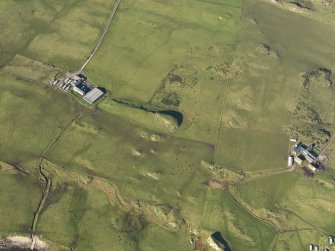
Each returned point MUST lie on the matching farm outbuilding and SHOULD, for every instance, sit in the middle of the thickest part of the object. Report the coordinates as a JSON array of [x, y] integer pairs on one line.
[[298, 148], [299, 159], [312, 167], [290, 161], [81, 88], [92, 96], [309, 156]]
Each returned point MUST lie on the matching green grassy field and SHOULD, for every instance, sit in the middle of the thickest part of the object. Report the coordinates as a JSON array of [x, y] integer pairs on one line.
[[129, 155], [21, 21], [32, 116], [258, 101], [23, 193], [72, 35], [31, 69], [242, 231], [300, 240], [141, 68], [292, 201], [121, 179]]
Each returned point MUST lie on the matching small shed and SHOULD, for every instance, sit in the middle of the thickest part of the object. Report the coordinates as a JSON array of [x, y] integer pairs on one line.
[[290, 161], [316, 248], [331, 239], [312, 167], [311, 247], [299, 159]]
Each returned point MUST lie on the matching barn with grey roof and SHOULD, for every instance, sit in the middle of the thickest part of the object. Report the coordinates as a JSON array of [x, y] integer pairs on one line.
[[92, 96]]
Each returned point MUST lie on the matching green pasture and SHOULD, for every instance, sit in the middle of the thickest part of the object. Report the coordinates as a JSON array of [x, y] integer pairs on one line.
[[32, 116], [149, 120], [167, 34], [243, 232], [231, 66], [252, 150], [31, 69], [131, 156], [21, 21], [300, 240], [156, 238], [72, 35], [260, 97], [19, 199], [293, 194], [84, 219], [149, 40]]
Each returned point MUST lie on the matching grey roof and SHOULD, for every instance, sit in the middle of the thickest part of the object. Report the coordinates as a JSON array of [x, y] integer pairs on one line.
[[297, 149], [93, 95], [309, 159]]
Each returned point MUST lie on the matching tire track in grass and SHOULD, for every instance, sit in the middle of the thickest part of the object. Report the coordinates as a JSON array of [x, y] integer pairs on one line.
[[226, 92], [263, 220], [278, 230]]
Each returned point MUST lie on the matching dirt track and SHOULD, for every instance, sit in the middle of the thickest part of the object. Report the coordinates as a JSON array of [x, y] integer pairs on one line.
[[116, 6]]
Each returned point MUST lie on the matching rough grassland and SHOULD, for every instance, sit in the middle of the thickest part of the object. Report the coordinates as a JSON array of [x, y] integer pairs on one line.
[[27, 127], [260, 97], [21, 21], [19, 198], [72, 214], [153, 191], [282, 198], [129, 156], [72, 36], [242, 231], [152, 41], [31, 69]]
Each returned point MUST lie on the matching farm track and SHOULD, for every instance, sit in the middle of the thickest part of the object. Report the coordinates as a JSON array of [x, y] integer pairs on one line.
[[269, 222], [258, 175], [278, 230], [241, 204], [115, 8]]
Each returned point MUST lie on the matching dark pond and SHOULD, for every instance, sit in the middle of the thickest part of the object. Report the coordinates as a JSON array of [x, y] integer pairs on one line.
[[217, 237], [178, 116]]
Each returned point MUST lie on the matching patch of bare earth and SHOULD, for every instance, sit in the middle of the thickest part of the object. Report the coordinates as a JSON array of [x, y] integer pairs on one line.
[[16, 242]]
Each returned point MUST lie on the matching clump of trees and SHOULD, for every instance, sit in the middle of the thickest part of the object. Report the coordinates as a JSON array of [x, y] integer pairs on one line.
[[320, 77], [171, 98], [310, 134], [304, 112]]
